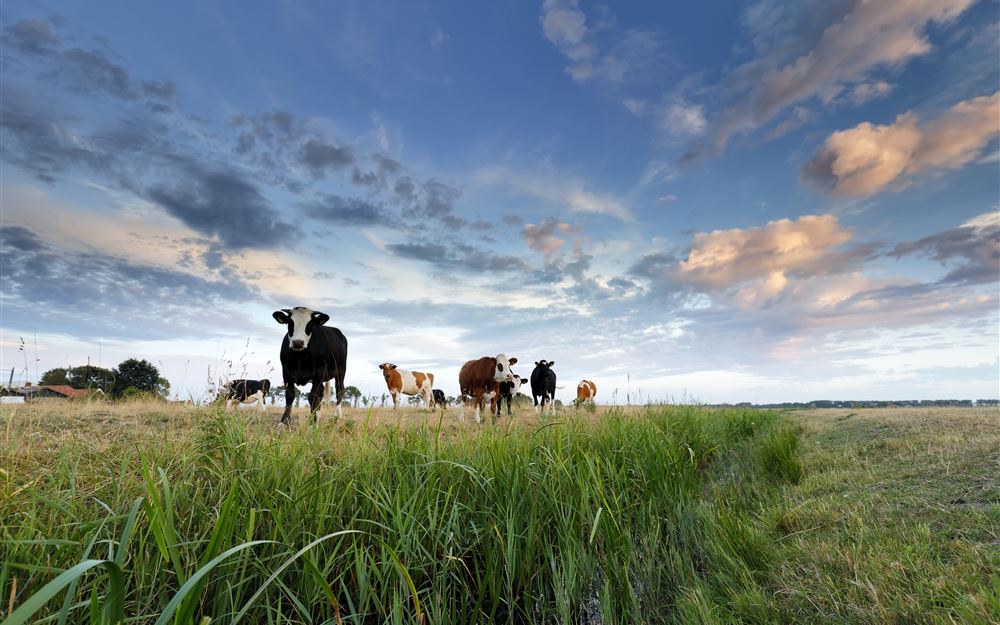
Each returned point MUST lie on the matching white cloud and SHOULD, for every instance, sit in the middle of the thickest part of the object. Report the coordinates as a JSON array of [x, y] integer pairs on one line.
[[635, 106], [620, 56], [865, 159], [560, 189], [666, 199], [860, 38], [866, 91], [724, 258], [683, 120], [438, 39]]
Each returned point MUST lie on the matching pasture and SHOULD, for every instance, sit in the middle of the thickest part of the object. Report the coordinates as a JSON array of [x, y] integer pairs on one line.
[[657, 514]]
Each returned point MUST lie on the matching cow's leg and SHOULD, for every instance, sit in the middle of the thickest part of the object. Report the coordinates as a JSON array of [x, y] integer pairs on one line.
[[315, 400], [395, 399], [286, 417], [478, 399], [262, 399], [509, 400], [429, 396], [339, 384]]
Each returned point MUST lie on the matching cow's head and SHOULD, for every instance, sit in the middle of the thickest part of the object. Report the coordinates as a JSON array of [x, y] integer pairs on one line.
[[502, 372], [545, 364], [387, 368], [515, 384], [300, 322]]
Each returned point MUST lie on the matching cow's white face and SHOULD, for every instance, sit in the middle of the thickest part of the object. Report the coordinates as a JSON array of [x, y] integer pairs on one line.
[[300, 322], [502, 372], [516, 384]]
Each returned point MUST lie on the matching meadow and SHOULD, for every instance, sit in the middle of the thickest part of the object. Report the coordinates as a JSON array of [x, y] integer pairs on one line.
[[158, 513]]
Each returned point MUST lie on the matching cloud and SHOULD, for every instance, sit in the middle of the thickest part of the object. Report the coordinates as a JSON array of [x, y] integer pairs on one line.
[[724, 258], [974, 247], [863, 160], [559, 189], [36, 139], [801, 58], [320, 156], [683, 120], [83, 70], [32, 37], [666, 199], [543, 238], [627, 55], [221, 202], [95, 294], [346, 211], [754, 265], [459, 257], [438, 39], [866, 91], [635, 106], [798, 117]]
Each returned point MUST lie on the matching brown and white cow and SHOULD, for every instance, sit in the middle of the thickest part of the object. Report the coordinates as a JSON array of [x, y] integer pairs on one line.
[[585, 390], [406, 382], [480, 379]]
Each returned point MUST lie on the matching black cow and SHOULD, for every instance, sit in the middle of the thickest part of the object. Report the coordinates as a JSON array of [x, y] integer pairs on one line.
[[311, 353], [543, 385], [439, 398], [507, 390], [246, 392]]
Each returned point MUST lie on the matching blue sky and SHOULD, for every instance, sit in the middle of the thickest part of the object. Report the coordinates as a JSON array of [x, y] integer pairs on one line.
[[748, 201]]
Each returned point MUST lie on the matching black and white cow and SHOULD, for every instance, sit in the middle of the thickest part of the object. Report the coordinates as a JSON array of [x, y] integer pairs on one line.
[[311, 353], [439, 398], [507, 390], [543, 386], [246, 392]]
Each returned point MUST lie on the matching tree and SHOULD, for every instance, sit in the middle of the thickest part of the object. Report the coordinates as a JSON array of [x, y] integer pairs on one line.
[[163, 388], [55, 377], [138, 374], [352, 394], [89, 376]]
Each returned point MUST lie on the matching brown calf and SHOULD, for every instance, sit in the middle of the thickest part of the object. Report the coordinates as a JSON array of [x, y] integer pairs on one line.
[[585, 390], [406, 382]]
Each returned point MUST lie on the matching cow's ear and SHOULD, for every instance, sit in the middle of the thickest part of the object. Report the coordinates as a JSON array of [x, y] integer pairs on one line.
[[393, 366], [552, 362], [319, 318], [512, 361], [538, 364], [282, 316]]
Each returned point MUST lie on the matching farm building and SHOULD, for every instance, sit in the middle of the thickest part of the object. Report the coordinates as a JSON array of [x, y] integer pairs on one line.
[[60, 391]]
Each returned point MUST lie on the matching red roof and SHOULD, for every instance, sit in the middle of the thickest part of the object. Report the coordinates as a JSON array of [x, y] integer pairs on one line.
[[62, 389]]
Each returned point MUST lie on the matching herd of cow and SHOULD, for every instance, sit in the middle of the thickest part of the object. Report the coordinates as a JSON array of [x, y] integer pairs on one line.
[[313, 353]]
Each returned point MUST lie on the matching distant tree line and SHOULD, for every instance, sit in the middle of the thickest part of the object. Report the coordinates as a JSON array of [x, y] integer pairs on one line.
[[897, 403], [131, 378]]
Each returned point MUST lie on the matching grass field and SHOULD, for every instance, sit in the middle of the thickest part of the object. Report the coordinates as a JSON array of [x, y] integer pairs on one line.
[[648, 515]]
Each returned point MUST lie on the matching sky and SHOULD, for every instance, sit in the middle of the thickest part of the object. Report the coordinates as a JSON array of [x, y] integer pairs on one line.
[[719, 202]]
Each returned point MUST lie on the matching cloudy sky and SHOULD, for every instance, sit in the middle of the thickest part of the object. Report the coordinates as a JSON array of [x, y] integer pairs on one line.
[[757, 201]]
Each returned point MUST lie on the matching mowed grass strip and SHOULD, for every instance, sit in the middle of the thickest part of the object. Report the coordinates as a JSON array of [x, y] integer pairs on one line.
[[896, 518], [659, 515]]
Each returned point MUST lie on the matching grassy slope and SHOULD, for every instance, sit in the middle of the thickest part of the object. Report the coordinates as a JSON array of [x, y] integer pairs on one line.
[[705, 517], [650, 517], [897, 519]]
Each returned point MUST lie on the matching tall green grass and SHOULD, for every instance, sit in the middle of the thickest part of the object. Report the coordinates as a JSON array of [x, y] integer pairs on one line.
[[653, 518]]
